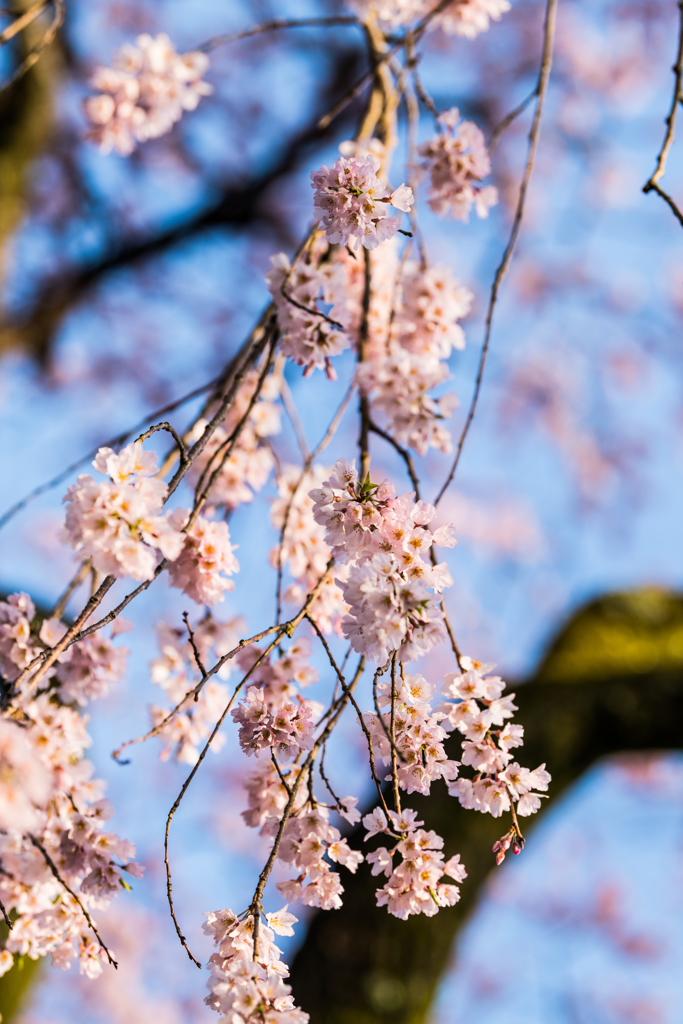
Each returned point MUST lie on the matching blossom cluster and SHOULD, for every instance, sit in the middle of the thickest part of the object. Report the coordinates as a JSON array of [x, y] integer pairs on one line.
[[456, 160], [206, 560], [304, 551], [415, 885], [51, 808], [144, 94], [247, 985], [418, 736], [272, 715], [87, 669], [351, 202], [411, 327], [476, 707], [385, 539], [308, 336], [462, 17], [250, 461], [177, 673], [118, 524]]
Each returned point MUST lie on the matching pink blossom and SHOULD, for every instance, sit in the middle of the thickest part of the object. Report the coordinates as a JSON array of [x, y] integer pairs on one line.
[[144, 94], [201, 568], [352, 202], [457, 160]]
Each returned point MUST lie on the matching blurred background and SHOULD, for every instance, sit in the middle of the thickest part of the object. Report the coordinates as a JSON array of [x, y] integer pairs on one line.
[[126, 283]]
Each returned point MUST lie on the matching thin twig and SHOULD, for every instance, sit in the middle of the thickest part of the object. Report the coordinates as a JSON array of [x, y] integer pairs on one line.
[[75, 582], [405, 455], [358, 87], [282, 629], [176, 437], [544, 75], [113, 442], [53, 868], [652, 184], [21, 22], [273, 26], [329, 434], [361, 720], [34, 56], [288, 628], [306, 768], [394, 768], [195, 649], [294, 418], [9, 923], [509, 118]]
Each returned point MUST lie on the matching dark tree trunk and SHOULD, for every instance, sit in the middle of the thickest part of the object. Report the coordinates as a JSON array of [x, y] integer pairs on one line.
[[591, 697]]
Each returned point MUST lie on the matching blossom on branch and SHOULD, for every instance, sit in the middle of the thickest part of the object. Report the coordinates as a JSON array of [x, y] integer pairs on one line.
[[201, 568], [461, 17], [118, 524], [456, 160], [352, 202], [384, 539], [308, 337], [52, 812], [144, 94], [247, 984]]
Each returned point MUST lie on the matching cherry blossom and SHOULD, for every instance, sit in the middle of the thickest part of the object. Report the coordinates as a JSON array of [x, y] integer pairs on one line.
[[384, 539], [177, 673], [247, 984], [206, 560], [456, 160], [476, 706], [250, 462], [305, 552], [414, 885], [308, 337], [352, 202], [144, 94], [118, 524], [50, 805], [462, 17]]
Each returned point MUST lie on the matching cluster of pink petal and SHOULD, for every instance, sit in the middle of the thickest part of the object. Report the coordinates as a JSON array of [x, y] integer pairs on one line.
[[47, 791], [118, 524], [477, 708], [412, 325], [244, 987], [144, 94], [306, 337], [418, 736], [86, 670], [272, 716], [462, 17], [414, 885], [457, 160], [385, 539], [307, 836], [305, 552], [17, 649], [176, 671], [207, 559], [351, 202], [251, 461], [398, 385]]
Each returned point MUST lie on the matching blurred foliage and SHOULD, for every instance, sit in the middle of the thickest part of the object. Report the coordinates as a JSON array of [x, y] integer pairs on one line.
[[611, 681], [26, 115], [14, 984]]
